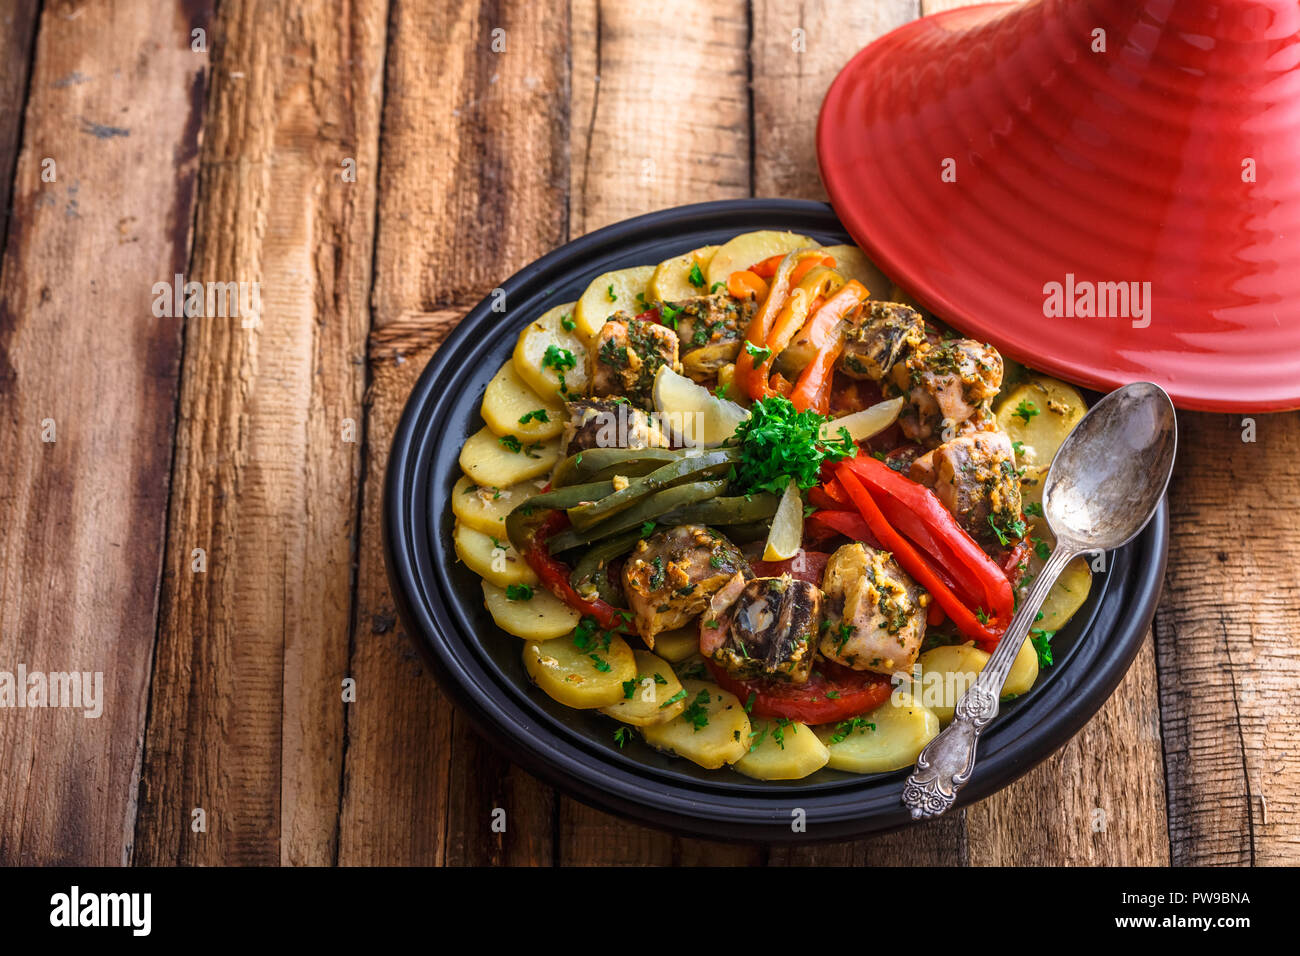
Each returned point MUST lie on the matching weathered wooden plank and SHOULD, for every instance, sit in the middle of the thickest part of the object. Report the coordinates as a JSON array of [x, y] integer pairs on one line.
[[797, 50], [88, 394], [1226, 644], [476, 131], [475, 157], [247, 716], [17, 31], [660, 118], [660, 107]]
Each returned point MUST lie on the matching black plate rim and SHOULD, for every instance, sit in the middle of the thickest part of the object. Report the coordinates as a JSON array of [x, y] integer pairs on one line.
[[1080, 686]]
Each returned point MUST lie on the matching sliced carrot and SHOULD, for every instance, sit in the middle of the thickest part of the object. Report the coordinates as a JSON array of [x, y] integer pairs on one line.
[[743, 284]]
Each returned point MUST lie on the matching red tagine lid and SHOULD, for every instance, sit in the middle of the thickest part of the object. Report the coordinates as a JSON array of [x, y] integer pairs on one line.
[[1107, 190]]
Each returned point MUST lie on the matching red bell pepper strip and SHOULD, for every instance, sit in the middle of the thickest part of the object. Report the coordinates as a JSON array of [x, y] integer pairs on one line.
[[554, 575], [916, 565], [848, 523], [917, 513]]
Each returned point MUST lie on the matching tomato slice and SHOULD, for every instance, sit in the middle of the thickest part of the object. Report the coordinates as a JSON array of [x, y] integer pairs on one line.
[[832, 694]]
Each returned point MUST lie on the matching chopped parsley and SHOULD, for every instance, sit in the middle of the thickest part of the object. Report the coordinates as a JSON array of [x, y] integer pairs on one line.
[[1042, 641], [847, 727], [1041, 549], [647, 528], [611, 294], [1033, 509], [536, 415], [511, 443], [519, 592], [716, 286], [561, 360], [1026, 410], [680, 695], [669, 314], [621, 736], [566, 321], [696, 713], [757, 352], [696, 277]]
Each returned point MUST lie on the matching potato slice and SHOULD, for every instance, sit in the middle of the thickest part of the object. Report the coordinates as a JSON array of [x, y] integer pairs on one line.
[[676, 646], [540, 617], [1023, 673], [671, 281], [1039, 414], [612, 292], [782, 751], [586, 677], [852, 263], [491, 558], [484, 508], [884, 739], [547, 335], [751, 248], [946, 674], [1067, 595], [490, 463], [711, 731], [654, 697], [508, 399], [1032, 478]]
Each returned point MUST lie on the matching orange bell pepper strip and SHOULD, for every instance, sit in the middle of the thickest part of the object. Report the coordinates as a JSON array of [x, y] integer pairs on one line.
[[767, 268], [747, 377], [825, 334]]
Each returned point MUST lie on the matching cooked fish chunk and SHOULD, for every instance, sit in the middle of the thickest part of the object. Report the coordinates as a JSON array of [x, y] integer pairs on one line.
[[886, 333], [948, 385], [669, 578], [768, 628], [875, 613], [976, 479], [710, 329], [626, 354], [608, 423]]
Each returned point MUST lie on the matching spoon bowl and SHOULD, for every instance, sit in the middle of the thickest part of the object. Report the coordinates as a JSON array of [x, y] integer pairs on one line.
[[1112, 470]]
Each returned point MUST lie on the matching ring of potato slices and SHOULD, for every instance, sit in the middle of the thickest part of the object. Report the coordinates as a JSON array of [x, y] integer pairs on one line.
[[654, 682]]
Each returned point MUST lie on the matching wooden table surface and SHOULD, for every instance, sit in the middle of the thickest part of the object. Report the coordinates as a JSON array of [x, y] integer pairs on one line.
[[481, 135]]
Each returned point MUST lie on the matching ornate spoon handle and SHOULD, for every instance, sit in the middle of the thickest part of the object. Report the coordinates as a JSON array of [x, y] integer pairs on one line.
[[947, 761]]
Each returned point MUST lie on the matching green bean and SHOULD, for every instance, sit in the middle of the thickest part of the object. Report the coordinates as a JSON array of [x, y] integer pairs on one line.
[[556, 500], [688, 468], [739, 510], [593, 566], [651, 508], [595, 464]]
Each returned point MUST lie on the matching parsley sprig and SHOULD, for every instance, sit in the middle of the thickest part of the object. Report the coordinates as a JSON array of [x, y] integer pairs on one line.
[[779, 443]]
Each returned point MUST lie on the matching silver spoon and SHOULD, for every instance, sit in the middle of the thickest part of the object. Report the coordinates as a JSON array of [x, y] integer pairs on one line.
[[1104, 485]]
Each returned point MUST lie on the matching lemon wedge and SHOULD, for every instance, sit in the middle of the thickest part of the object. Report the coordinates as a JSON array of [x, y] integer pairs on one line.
[[786, 534], [691, 413], [867, 422]]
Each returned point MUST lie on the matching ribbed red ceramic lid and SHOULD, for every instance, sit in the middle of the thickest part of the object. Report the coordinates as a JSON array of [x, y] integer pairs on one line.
[[1006, 164]]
